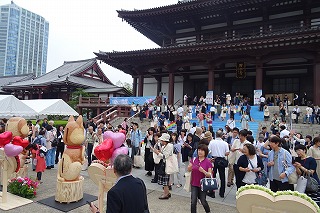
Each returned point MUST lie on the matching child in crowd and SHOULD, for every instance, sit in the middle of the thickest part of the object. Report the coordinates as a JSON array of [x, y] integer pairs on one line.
[[38, 153], [129, 145]]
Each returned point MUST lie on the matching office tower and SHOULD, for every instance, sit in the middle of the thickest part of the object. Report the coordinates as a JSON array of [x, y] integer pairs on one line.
[[23, 41]]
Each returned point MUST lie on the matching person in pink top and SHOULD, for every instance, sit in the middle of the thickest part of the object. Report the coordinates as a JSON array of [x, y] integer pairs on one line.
[[200, 167]]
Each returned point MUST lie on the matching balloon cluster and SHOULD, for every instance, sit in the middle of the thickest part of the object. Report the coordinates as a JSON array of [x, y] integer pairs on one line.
[[111, 147], [12, 146]]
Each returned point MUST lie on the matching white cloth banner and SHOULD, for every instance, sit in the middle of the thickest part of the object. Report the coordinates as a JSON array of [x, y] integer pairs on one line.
[[256, 97]]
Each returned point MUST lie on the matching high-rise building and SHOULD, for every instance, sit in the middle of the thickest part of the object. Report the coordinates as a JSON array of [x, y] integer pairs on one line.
[[23, 41]]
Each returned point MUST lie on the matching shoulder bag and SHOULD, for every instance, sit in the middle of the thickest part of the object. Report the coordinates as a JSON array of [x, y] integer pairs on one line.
[[261, 177], [172, 164], [301, 184], [293, 178], [138, 160], [187, 185], [312, 184]]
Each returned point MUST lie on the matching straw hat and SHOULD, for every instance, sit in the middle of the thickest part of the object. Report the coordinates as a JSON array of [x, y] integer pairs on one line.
[[207, 135]]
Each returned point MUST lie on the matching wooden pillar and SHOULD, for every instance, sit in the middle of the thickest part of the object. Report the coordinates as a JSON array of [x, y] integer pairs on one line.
[[307, 14], [259, 74], [211, 78], [134, 86], [40, 94], [316, 85], [140, 91], [159, 82], [171, 87]]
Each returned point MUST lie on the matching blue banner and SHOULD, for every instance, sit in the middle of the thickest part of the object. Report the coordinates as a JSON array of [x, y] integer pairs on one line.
[[130, 100]]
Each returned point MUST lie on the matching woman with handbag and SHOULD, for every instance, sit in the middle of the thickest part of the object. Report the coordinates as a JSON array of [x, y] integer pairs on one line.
[[177, 151], [248, 166], [200, 167], [304, 164], [223, 113], [165, 152]]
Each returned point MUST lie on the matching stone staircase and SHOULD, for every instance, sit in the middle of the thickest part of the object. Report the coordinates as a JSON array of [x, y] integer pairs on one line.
[[255, 126], [256, 115], [304, 129]]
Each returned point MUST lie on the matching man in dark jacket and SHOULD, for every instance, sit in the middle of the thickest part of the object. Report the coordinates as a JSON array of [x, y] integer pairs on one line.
[[129, 193]]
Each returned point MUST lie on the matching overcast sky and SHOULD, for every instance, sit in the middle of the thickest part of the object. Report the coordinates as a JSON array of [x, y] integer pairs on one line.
[[77, 28]]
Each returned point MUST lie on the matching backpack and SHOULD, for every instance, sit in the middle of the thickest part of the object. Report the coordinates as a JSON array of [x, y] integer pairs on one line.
[[37, 140], [138, 132]]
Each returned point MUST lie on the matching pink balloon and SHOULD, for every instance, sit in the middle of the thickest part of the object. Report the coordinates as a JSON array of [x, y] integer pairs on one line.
[[12, 150], [107, 134], [121, 150], [118, 138]]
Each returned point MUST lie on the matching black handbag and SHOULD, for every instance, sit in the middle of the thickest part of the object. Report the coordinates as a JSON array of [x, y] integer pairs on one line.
[[222, 162], [161, 167], [55, 142], [312, 184]]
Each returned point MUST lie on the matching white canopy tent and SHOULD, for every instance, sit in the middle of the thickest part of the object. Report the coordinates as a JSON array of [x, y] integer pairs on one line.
[[50, 107], [12, 106]]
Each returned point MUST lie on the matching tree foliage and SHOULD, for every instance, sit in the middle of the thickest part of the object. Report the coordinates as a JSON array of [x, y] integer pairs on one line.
[[75, 96], [125, 85]]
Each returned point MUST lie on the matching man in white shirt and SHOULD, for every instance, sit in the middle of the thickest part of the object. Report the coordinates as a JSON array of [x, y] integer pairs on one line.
[[185, 99], [296, 111], [284, 131], [308, 116], [180, 111], [231, 123], [213, 112], [219, 150], [193, 128]]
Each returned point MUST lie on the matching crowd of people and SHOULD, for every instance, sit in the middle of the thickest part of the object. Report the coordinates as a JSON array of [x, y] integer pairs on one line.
[[203, 152]]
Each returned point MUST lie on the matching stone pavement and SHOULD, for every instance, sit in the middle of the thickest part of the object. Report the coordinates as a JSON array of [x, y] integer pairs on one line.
[[180, 201]]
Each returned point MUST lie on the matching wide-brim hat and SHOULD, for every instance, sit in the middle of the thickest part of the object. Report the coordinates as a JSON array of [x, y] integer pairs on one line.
[[207, 135], [165, 137]]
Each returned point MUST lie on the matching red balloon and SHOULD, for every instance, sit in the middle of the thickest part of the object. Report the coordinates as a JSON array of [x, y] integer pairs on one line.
[[104, 150], [17, 140], [5, 138]]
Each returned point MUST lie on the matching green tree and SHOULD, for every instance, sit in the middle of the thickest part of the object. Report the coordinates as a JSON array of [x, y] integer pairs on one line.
[[125, 85], [128, 87], [75, 96]]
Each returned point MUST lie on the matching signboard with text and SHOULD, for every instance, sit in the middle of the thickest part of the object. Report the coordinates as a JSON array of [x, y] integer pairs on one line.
[[209, 97], [256, 96]]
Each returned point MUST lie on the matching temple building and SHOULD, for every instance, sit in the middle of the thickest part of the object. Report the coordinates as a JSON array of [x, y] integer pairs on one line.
[[62, 81], [225, 46]]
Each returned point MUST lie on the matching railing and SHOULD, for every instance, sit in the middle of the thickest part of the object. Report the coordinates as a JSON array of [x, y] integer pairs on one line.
[[112, 115], [118, 111], [93, 101], [103, 116]]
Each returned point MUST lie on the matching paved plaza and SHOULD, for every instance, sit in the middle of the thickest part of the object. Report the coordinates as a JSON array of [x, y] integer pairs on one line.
[[180, 201]]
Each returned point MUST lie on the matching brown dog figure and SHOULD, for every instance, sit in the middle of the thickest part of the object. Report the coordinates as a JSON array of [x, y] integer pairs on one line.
[[70, 164]]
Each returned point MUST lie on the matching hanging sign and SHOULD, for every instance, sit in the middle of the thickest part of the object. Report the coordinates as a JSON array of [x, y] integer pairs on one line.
[[241, 71]]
